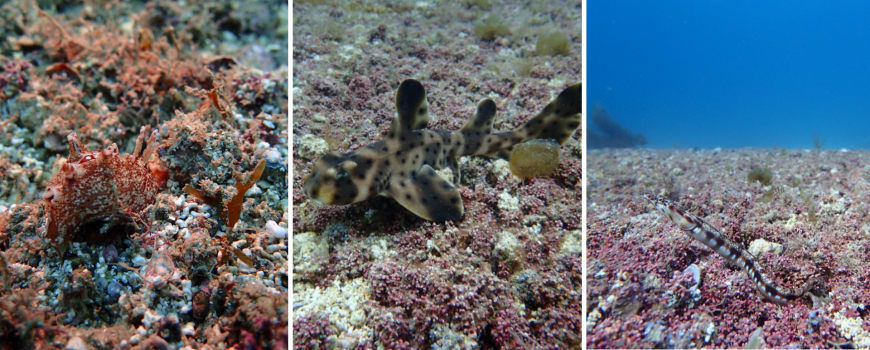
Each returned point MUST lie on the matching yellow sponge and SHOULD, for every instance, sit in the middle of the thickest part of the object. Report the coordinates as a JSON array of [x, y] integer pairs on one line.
[[535, 158]]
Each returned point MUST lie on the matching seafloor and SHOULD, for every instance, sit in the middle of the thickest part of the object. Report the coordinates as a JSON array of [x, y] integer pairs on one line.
[[106, 250], [810, 221], [372, 274]]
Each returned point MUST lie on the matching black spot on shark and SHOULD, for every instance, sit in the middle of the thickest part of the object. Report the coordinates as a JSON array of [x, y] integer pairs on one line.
[[409, 155]]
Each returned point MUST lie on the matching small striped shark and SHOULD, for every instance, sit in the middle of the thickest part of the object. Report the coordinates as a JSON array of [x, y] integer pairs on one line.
[[402, 165], [705, 233]]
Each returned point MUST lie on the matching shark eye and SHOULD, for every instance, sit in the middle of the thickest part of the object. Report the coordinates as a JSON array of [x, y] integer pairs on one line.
[[341, 174]]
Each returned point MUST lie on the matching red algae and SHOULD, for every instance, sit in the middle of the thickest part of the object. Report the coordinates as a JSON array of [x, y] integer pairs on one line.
[[642, 290], [107, 111], [369, 275], [232, 208]]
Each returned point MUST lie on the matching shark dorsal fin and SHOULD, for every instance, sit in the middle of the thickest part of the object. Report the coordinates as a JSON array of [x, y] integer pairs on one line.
[[481, 121], [411, 107]]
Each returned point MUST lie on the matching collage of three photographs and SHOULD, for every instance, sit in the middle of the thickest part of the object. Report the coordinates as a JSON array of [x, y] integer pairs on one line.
[[392, 174]]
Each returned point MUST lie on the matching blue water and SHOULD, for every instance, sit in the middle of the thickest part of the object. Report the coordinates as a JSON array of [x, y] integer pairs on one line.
[[733, 73]]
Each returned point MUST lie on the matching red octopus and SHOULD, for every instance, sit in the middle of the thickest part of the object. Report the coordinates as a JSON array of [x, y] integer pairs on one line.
[[100, 185]]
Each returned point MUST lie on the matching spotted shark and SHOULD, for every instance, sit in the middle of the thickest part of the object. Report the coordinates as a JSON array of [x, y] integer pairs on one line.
[[402, 165]]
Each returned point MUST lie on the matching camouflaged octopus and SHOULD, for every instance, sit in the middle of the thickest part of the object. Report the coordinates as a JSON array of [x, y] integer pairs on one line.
[[100, 185]]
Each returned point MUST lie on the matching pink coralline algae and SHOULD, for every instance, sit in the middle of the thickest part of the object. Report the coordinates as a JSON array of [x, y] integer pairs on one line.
[[652, 285], [101, 184], [311, 332]]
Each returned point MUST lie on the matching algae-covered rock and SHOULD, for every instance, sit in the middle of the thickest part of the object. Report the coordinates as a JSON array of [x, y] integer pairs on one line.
[[762, 175], [309, 252], [490, 28], [312, 147], [572, 243], [508, 246], [552, 44], [761, 246]]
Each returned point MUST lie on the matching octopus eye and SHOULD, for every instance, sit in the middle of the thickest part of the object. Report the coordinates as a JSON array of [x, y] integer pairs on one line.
[[341, 175], [48, 195], [86, 159]]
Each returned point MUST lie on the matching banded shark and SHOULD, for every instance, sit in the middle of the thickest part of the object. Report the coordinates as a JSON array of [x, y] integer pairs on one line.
[[707, 234], [402, 165]]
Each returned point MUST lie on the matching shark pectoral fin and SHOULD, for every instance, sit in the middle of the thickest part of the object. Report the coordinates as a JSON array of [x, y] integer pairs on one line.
[[428, 195], [482, 120], [411, 107]]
